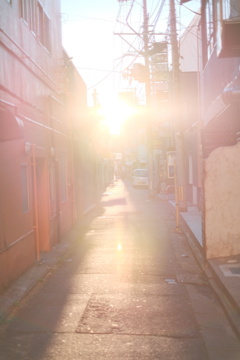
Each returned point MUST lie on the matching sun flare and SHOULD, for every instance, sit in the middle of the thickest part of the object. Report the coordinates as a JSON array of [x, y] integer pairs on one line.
[[115, 114], [119, 247]]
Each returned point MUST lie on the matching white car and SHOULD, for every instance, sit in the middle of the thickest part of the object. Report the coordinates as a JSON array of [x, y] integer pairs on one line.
[[140, 177]]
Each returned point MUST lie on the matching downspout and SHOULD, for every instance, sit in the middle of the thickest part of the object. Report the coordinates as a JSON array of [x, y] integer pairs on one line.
[[58, 209], [56, 165], [35, 202], [72, 155], [73, 199]]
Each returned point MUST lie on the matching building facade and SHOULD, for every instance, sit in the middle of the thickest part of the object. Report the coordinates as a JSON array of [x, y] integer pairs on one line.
[[42, 101], [220, 113], [217, 53]]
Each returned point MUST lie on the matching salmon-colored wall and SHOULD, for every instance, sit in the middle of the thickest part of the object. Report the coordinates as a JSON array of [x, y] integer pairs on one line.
[[15, 222], [17, 243], [35, 90], [16, 260]]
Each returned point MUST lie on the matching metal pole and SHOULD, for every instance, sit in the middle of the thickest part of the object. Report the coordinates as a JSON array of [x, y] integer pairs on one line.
[[148, 99], [146, 48], [177, 114], [176, 199]]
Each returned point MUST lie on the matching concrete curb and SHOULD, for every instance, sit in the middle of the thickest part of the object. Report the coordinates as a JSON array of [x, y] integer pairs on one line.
[[229, 306]]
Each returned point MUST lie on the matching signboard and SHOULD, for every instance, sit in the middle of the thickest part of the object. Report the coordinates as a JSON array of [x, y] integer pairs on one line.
[[171, 159]]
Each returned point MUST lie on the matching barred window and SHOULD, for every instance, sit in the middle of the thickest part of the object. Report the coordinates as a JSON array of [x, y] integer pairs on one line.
[[44, 27], [25, 10], [33, 19], [32, 12]]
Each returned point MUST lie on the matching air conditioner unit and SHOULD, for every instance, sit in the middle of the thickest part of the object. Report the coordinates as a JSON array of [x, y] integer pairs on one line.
[[228, 28]]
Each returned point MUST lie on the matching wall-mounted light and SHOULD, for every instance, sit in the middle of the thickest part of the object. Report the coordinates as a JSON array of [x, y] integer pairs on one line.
[[27, 148], [52, 151]]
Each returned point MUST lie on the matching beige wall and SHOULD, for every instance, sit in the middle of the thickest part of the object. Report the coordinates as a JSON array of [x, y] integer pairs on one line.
[[222, 202]]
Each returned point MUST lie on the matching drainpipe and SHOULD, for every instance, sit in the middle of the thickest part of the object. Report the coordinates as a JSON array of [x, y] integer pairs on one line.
[[35, 201], [58, 209], [200, 128]]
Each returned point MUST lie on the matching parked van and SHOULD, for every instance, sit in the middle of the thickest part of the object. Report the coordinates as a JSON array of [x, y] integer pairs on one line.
[[140, 177]]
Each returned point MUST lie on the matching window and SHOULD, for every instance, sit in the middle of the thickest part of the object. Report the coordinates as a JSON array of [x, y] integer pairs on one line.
[[25, 190], [231, 9], [32, 14], [47, 32], [210, 27], [63, 176], [40, 31], [28, 13], [228, 28], [141, 172], [44, 28], [25, 10], [37, 20]]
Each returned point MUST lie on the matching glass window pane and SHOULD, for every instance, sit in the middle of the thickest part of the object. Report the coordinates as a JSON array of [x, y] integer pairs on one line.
[[63, 176]]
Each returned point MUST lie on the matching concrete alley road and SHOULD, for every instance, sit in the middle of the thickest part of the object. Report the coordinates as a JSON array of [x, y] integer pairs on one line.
[[129, 288]]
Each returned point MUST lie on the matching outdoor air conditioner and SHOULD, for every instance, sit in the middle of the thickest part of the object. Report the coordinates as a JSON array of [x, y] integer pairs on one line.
[[228, 28]]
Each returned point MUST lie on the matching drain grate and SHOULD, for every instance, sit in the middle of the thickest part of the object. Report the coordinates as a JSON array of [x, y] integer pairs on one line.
[[235, 270], [230, 269]]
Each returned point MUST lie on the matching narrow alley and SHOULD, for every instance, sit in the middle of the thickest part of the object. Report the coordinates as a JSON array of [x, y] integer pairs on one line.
[[128, 288]]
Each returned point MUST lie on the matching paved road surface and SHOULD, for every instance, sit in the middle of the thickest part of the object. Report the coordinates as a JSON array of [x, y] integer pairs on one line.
[[130, 288]]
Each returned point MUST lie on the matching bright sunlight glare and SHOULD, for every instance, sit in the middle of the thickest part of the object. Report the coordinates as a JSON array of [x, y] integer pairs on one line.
[[115, 114], [119, 247]]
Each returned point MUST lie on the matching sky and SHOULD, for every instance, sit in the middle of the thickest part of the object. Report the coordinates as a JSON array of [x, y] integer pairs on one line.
[[89, 35]]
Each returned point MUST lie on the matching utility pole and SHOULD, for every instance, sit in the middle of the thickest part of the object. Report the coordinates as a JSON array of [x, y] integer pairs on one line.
[[147, 80], [146, 50], [148, 100], [180, 174], [174, 44]]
